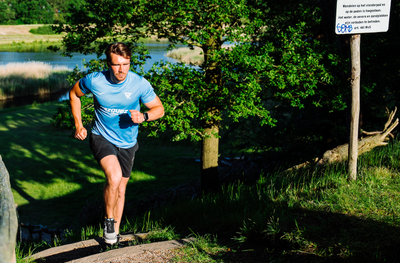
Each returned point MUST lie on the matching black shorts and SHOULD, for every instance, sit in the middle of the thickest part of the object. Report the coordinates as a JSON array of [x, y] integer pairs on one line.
[[101, 148]]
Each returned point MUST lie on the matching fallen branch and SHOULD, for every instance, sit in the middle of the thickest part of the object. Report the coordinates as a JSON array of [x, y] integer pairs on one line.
[[365, 144]]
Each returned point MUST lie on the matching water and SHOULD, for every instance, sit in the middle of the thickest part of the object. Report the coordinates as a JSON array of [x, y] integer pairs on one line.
[[157, 52]]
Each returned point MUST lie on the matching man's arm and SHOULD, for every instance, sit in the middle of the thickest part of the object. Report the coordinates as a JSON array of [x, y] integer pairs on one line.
[[156, 111], [75, 95]]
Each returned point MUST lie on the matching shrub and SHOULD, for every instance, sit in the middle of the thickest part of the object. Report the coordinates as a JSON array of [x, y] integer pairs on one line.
[[43, 30]]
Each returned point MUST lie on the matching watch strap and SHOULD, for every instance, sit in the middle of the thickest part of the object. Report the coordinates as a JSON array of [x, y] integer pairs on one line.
[[145, 116]]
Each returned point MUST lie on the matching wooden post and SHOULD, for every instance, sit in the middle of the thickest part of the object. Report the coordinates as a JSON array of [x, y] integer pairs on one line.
[[355, 105], [8, 218]]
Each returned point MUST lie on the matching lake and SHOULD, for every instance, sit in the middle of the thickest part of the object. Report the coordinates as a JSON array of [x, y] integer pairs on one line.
[[157, 52]]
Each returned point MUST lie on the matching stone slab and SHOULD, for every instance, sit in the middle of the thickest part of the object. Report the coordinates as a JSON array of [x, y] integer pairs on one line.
[[81, 244], [133, 250]]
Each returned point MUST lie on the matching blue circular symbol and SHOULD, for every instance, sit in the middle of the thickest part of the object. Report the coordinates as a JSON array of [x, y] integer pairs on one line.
[[342, 28]]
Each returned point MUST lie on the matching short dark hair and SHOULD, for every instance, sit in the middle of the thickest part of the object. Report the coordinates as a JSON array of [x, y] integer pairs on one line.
[[118, 48]]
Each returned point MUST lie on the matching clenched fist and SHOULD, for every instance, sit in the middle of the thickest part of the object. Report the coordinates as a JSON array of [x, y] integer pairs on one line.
[[137, 116], [80, 133]]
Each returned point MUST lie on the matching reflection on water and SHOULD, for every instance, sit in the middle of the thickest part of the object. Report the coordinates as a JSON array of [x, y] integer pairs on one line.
[[157, 52]]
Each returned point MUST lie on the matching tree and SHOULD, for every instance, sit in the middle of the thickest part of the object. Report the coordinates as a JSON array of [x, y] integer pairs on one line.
[[60, 8], [33, 12], [273, 59], [7, 14]]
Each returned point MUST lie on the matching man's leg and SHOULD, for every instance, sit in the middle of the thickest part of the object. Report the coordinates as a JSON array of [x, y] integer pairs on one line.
[[119, 207], [112, 170]]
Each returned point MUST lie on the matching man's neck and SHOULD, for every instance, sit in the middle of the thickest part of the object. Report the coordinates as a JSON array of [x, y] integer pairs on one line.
[[113, 78]]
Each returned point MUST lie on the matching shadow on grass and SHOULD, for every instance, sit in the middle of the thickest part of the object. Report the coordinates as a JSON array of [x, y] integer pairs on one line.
[[54, 176], [315, 237], [39, 157]]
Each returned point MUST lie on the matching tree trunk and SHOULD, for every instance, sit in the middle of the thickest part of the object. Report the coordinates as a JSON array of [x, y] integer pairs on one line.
[[209, 160], [210, 143]]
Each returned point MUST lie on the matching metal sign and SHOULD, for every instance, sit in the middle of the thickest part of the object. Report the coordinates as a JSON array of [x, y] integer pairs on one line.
[[362, 16]]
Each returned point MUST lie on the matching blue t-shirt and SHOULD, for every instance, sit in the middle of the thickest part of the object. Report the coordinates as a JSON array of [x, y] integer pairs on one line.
[[112, 103]]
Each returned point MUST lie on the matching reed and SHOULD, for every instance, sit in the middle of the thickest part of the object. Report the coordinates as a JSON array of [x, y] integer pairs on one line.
[[187, 55], [190, 56], [31, 78]]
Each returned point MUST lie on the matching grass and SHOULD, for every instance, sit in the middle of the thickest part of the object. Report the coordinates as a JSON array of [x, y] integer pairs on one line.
[[23, 252], [20, 33], [304, 216], [19, 38], [54, 176], [31, 78], [33, 46], [307, 216]]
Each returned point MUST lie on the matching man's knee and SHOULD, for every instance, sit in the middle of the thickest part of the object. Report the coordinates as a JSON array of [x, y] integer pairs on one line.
[[112, 169], [122, 187], [113, 182], [121, 194]]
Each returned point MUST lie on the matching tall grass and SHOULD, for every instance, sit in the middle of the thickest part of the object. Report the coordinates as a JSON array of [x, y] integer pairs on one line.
[[31, 78], [187, 55], [304, 216]]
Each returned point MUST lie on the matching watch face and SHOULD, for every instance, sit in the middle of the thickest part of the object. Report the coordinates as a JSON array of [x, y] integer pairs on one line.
[[146, 116]]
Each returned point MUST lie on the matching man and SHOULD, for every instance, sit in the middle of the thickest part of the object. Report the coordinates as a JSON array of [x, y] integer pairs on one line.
[[117, 94]]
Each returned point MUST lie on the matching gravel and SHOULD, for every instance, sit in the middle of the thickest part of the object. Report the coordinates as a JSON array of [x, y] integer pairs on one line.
[[161, 256]]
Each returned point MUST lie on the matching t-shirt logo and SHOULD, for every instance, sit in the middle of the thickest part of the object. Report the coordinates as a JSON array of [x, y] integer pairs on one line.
[[128, 95]]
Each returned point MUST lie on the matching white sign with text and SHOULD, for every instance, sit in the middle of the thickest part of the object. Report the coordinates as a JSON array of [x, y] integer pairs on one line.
[[362, 16]]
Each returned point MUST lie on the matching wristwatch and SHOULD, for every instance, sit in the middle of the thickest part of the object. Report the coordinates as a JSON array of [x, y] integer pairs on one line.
[[145, 116]]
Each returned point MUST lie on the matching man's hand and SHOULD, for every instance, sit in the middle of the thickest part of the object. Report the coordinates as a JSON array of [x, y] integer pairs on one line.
[[137, 116], [80, 133], [75, 95]]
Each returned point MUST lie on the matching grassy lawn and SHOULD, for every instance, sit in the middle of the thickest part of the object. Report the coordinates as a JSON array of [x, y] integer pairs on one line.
[[53, 176], [19, 33], [304, 216]]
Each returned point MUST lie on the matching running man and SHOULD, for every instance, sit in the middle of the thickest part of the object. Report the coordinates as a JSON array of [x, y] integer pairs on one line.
[[117, 94]]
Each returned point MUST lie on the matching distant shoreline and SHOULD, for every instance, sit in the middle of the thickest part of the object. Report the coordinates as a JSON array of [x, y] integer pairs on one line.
[[19, 33]]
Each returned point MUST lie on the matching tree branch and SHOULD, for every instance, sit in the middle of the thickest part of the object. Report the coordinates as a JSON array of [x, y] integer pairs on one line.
[[340, 153]]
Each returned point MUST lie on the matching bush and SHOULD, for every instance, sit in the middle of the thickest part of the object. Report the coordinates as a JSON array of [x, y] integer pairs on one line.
[[43, 30]]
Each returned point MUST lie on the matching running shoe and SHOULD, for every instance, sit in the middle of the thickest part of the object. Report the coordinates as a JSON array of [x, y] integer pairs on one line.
[[109, 235]]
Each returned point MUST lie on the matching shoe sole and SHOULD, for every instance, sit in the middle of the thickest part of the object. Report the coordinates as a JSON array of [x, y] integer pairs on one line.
[[110, 241]]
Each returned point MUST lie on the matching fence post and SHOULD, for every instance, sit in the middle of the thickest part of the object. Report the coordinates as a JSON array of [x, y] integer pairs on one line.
[[8, 218]]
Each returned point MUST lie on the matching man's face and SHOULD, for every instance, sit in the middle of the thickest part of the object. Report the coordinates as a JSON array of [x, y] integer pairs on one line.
[[119, 66]]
